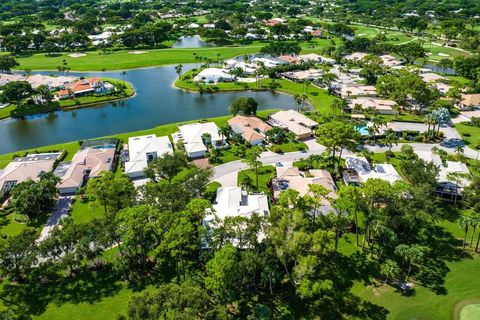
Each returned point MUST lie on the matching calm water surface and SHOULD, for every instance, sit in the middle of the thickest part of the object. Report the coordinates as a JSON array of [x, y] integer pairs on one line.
[[156, 102], [190, 42]]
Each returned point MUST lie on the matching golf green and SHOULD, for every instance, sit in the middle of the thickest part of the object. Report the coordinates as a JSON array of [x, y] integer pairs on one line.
[[470, 312]]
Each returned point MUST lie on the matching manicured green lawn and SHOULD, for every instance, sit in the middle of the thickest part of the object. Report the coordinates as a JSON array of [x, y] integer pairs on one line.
[[9, 227], [109, 307], [461, 283], [320, 99], [83, 212], [470, 134], [5, 112], [265, 174], [289, 147], [120, 60], [470, 312]]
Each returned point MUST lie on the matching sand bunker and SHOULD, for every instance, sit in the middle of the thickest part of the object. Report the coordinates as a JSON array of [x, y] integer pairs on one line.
[[441, 54], [137, 52], [77, 55]]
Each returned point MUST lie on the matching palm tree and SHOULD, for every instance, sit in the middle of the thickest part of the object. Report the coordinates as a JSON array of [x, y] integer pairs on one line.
[[206, 138], [307, 84], [390, 139], [465, 223], [225, 132], [429, 120], [246, 58], [389, 269], [459, 149], [178, 70], [124, 73], [410, 254], [474, 222]]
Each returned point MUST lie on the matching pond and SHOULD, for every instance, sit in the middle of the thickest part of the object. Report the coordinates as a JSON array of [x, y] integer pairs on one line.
[[156, 102], [190, 42]]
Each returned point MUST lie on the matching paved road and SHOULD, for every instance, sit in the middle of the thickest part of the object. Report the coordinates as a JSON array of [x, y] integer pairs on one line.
[[61, 210], [269, 158]]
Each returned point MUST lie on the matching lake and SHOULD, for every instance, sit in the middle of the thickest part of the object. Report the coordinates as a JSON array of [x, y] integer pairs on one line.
[[156, 102], [190, 42]]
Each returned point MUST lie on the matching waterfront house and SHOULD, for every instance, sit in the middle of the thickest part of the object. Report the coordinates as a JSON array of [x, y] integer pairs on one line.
[[87, 163], [85, 87], [144, 149], [21, 169], [213, 76], [196, 137], [252, 129]]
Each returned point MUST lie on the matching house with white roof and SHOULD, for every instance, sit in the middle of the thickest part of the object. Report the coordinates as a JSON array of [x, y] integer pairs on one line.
[[295, 122], [214, 76], [348, 91], [359, 171], [453, 176], [268, 62], [21, 169], [235, 202], [194, 137], [356, 56], [382, 106], [144, 149]]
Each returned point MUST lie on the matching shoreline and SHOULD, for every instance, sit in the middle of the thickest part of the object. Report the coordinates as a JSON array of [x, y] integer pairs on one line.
[[77, 106], [149, 51]]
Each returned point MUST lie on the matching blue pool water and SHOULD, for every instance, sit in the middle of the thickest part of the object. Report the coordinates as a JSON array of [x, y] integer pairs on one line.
[[363, 130]]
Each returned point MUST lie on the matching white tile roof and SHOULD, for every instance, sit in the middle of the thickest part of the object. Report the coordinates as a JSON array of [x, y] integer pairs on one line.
[[384, 171], [138, 148], [234, 202], [192, 135]]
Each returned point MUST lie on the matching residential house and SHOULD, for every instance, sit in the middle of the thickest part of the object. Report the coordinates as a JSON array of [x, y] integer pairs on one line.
[[348, 91], [302, 75], [469, 101], [144, 149], [268, 62], [291, 178], [311, 57], [235, 202], [294, 122], [252, 129], [390, 61], [453, 176], [196, 136], [21, 169], [214, 76], [289, 59], [85, 86], [382, 106], [359, 171], [356, 56], [87, 163], [274, 22]]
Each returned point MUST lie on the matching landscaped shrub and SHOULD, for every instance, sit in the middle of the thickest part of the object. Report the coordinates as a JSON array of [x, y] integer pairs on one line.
[[277, 150], [20, 218]]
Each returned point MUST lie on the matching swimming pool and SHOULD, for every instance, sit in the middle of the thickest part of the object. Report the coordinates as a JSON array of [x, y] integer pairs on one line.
[[363, 130]]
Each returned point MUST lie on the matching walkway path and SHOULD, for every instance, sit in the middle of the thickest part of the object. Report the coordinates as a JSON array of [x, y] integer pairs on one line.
[[61, 210]]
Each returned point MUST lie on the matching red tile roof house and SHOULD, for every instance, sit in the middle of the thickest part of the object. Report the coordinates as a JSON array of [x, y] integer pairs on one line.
[[252, 129], [84, 86]]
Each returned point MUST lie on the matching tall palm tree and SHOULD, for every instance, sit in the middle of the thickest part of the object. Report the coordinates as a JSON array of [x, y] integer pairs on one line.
[[178, 70], [224, 132], [464, 222], [124, 73]]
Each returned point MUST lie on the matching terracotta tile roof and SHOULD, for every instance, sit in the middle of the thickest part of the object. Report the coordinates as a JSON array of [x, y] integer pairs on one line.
[[471, 100]]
